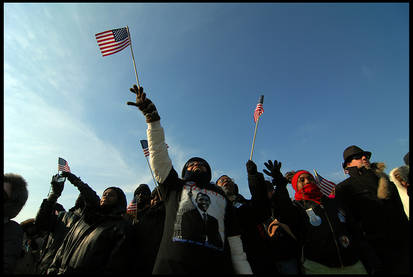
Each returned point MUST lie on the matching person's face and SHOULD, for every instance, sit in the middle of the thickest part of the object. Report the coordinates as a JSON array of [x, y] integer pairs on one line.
[[304, 179], [143, 196], [227, 185], [359, 160], [196, 166], [203, 202], [109, 197]]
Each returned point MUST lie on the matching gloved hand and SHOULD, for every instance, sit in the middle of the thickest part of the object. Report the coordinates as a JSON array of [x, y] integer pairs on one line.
[[275, 172], [72, 178], [144, 104], [251, 168], [57, 187]]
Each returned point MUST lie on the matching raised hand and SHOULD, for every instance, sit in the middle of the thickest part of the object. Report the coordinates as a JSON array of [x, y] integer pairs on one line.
[[251, 167], [57, 186], [275, 172], [144, 104]]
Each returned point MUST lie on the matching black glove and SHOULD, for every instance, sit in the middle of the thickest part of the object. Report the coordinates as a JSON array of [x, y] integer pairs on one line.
[[251, 168], [57, 188], [275, 172], [72, 178], [144, 104]]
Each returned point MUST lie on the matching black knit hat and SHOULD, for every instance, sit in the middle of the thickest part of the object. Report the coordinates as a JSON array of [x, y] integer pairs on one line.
[[142, 188], [351, 151], [199, 160]]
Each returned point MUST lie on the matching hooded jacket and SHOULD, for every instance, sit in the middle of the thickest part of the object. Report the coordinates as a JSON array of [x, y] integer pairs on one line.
[[96, 242]]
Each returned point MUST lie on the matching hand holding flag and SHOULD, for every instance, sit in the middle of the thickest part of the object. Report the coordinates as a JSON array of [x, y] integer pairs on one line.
[[62, 165], [259, 110]]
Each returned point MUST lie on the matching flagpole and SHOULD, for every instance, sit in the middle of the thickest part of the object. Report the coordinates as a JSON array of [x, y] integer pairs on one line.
[[253, 141], [160, 198], [133, 57]]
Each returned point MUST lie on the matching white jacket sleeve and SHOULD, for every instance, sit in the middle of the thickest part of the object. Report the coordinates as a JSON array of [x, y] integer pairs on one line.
[[160, 162], [238, 256]]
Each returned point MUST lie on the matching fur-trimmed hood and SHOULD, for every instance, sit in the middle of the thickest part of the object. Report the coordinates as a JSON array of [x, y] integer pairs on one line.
[[383, 189], [403, 172]]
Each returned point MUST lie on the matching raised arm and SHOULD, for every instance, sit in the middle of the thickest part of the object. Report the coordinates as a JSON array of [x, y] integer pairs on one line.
[[160, 162]]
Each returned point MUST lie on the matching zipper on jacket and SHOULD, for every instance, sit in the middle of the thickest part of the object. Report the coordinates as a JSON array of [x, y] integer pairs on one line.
[[334, 236]]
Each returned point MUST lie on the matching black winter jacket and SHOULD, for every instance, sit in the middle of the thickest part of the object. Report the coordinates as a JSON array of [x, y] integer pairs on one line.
[[148, 233], [326, 238], [372, 200], [96, 243]]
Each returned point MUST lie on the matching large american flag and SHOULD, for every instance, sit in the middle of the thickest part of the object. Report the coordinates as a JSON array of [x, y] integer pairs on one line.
[[62, 165], [326, 186], [113, 41], [259, 110]]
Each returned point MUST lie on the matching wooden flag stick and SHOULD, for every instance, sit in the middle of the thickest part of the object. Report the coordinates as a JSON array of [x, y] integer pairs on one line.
[[156, 185], [253, 141], [133, 57]]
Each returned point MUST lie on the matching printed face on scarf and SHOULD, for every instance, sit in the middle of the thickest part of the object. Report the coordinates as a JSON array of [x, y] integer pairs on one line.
[[227, 185], [203, 201], [304, 179], [109, 197]]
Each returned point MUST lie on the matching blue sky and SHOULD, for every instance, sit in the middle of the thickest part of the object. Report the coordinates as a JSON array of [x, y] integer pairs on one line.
[[332, 75]]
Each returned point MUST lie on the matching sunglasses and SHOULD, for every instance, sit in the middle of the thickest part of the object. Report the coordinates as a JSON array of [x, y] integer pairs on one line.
[[358, 156]]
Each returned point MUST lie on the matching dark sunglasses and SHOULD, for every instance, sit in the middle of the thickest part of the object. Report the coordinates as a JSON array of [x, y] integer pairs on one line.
[[358, 156]]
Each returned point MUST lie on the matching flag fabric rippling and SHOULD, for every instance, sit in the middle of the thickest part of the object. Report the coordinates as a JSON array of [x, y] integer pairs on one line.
[[113, 41], [62, 165], [326, 186], [259, 110]]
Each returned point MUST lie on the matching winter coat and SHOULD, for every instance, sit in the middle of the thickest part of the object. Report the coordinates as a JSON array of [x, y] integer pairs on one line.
[[179, 255], [97, 243], [326, 238], [12, 245], [57, 227], [372, 200], [148, 232]]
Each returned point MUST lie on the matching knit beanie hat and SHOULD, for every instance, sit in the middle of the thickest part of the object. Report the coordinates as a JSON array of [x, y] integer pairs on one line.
[[295, 178]]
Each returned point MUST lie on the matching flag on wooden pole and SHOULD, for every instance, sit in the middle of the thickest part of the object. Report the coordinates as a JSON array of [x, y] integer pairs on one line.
[[113, 41], [259, 110]]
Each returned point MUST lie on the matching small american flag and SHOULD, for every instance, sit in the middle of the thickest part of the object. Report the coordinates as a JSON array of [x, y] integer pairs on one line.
[[326, 186], [259, 110], [145, 147], [113, 41], [132, 208], [62, 165]]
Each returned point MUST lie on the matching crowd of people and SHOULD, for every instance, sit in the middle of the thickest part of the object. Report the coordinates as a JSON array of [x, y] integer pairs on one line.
[[189, 224]]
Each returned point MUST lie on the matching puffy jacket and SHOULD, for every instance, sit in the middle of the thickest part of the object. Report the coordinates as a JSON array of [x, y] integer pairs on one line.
[[57, 226], [97, 243]]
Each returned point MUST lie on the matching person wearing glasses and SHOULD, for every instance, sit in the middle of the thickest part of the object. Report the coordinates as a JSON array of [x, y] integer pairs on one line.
[[372, 200]]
